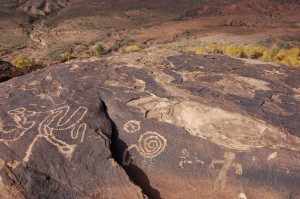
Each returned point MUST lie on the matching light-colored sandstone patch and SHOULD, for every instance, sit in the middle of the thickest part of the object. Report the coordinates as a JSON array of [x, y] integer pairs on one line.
[[226, 129]]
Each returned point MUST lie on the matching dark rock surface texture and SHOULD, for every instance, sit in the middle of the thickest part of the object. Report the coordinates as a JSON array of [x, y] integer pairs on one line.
[[8, 71], [156, 124]]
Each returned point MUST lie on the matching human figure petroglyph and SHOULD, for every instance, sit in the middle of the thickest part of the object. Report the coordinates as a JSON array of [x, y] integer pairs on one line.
[[227, 163], [132, 126], [150, 145], [55, 120]]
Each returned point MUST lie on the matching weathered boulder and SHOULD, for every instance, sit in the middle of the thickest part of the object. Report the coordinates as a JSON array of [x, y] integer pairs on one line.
[[179, 126], [8, 71], [54, 140]]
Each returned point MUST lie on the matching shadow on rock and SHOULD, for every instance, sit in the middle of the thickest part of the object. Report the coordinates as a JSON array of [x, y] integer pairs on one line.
[[136, 175]]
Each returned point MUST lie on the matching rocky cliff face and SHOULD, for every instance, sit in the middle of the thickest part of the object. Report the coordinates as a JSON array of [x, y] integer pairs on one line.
[[156, 122]]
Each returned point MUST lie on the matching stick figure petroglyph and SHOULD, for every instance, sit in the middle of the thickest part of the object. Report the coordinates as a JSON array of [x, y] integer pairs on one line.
[[132, 126], [55, 121], [150, 145], [227, 163]]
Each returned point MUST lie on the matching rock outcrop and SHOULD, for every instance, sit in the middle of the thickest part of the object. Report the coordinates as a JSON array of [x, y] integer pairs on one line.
[[8, 71], [156, 122], [43, 7], [34, 7]]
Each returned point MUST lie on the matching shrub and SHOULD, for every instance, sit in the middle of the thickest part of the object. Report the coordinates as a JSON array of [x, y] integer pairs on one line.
[[132, 49], [269, 56], [254, 52], [295, 52], [22, 63], [85, 55], [67, 56], [281, 55], [210, 49], [233, 51], [284, 45], [197, 50], [213, 49], [187, 33], [289, 57], [99, 50], [290, 61], [78, 43]]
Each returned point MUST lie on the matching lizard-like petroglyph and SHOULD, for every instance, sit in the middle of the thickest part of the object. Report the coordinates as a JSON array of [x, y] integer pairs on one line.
[[227, 163], [150, 145], [54, 121]]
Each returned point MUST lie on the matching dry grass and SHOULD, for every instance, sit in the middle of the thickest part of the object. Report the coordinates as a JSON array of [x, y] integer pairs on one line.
[[283, 56], [21, 62], [133, 48]]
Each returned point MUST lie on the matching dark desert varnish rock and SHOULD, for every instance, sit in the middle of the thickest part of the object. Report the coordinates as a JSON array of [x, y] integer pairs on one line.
[[179, 126], [8, 71]]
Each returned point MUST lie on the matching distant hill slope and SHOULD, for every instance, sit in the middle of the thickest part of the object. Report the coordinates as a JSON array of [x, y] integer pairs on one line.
[[34, 7], [201, 7], [44, 7]]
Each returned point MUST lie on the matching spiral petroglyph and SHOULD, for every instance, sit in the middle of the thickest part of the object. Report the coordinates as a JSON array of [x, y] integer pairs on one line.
[[150, 145], [132, 126]]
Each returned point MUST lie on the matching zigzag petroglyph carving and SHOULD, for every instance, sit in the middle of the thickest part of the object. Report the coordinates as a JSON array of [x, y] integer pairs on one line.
[[150, 145], [54, 121]]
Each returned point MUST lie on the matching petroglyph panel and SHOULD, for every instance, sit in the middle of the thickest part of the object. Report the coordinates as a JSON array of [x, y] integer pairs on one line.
[[55, 121]]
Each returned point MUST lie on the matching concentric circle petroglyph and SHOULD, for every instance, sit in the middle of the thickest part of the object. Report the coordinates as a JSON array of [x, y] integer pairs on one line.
[[151, 144], [132, 126]]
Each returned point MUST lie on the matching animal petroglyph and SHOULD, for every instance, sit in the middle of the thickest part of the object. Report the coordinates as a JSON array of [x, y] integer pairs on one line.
[[186, 158], [132, 126], [11, 133], [54, 121], [227, 163], [150, 145]]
